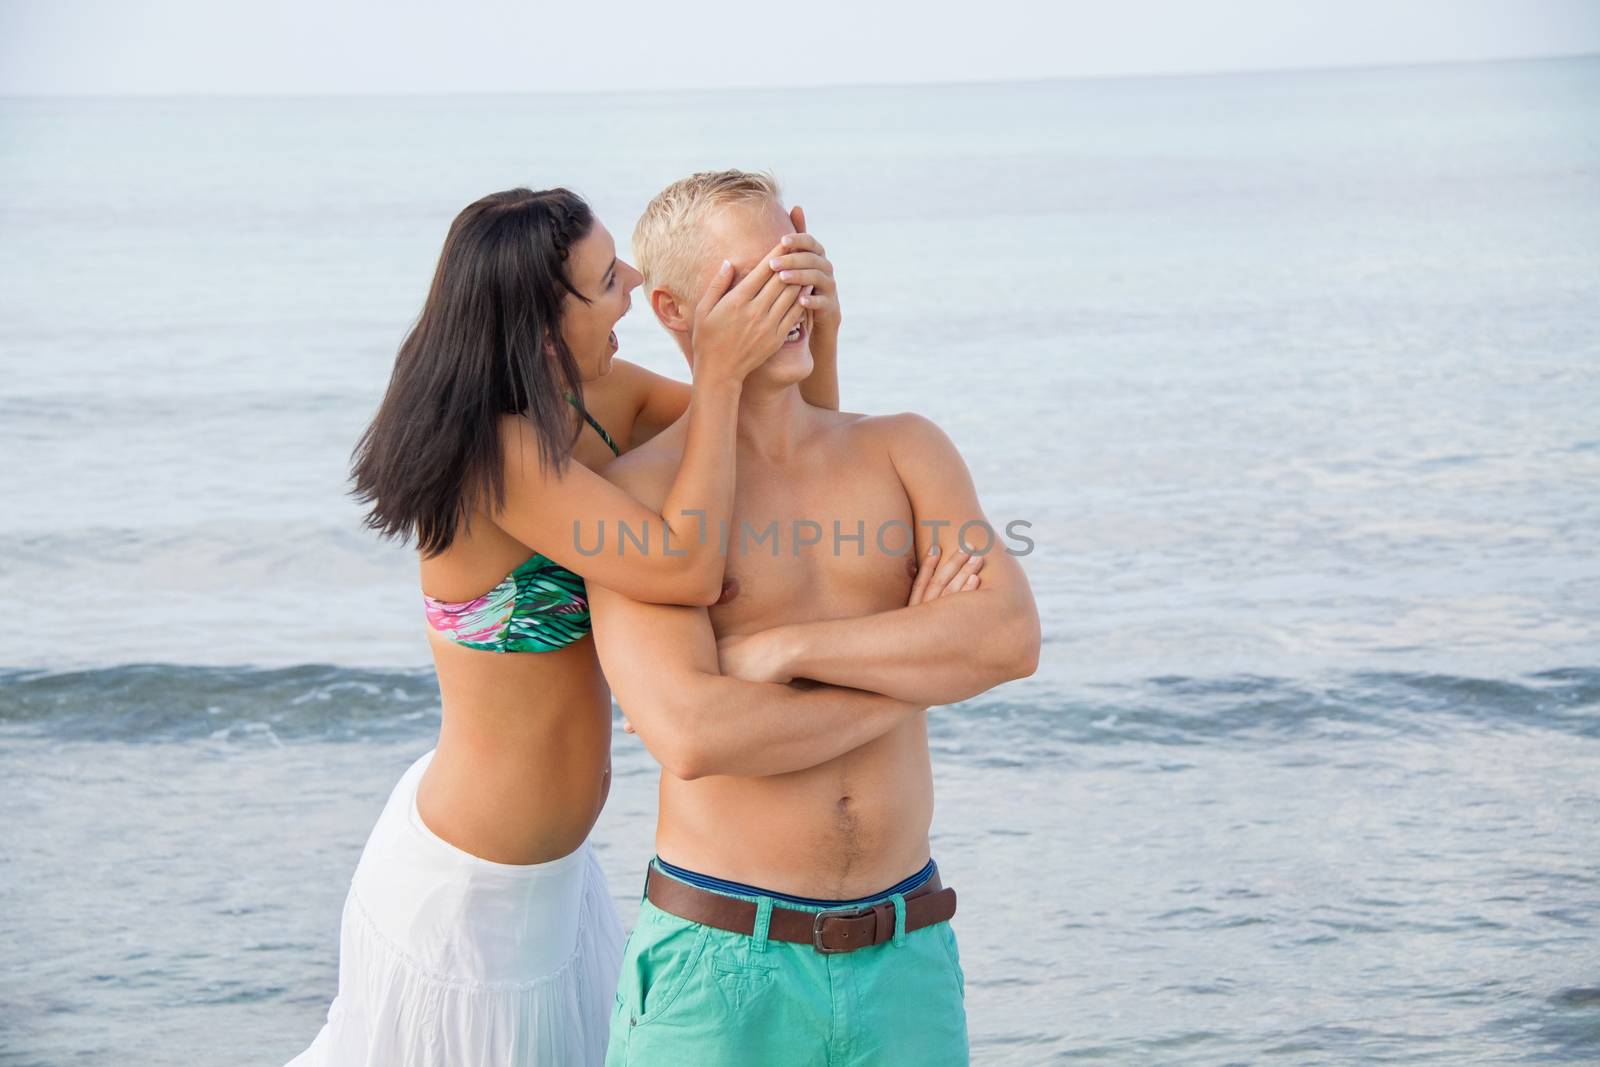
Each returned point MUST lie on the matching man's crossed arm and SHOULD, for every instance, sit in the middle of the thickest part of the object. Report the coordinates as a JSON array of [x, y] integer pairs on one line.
[[661, 662], [702, 710], [936, 651]]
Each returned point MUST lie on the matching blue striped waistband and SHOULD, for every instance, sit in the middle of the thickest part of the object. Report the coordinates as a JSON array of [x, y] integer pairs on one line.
[[739, 889]]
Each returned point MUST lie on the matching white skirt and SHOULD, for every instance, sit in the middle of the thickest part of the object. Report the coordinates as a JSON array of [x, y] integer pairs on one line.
[[449, 960]]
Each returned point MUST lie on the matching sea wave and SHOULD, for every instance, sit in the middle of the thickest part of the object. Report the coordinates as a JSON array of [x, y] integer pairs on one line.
[[155, 702]]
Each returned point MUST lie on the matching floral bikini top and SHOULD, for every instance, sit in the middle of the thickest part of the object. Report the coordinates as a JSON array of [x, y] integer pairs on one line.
[[539, 607]]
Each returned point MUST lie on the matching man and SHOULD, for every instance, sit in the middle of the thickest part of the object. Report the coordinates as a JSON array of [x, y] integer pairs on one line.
[[793, 914]]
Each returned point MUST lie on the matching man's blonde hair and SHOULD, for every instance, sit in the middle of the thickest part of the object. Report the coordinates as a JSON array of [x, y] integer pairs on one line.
[[669, 240]]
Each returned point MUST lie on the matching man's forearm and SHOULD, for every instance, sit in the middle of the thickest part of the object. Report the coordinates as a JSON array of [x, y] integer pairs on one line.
[[938, 652], [722, 725], [821, 387]]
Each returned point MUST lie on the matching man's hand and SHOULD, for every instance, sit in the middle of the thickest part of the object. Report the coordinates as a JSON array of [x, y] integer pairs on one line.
[[756, 657], [753, 657], [938, 577], [764, 656], [938, 649]]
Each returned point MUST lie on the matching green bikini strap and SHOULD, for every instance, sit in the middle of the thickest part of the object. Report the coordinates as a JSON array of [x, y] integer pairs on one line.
[[601, 430]]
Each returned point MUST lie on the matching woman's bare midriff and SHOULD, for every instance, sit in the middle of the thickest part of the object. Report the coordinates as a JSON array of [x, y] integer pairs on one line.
[[523, 763], [524, 758]]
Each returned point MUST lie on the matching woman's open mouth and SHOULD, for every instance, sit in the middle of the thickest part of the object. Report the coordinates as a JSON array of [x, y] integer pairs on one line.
[[797, 334]]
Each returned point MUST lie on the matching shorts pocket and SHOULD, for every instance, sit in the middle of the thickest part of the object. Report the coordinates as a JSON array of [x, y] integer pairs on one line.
[[948, 935], [669, 953], [741, 985]]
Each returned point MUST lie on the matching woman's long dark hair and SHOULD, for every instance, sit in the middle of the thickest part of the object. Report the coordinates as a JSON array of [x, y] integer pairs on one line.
[[488, 342]]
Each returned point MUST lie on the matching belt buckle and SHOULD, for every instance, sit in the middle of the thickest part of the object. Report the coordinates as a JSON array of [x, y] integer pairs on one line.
[[841, 913]]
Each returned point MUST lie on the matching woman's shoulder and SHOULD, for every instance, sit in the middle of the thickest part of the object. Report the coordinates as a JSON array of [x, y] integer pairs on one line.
[[635, 381], [647, 471]]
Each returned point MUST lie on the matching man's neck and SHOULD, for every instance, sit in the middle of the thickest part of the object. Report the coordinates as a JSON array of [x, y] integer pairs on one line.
[[771, 419]]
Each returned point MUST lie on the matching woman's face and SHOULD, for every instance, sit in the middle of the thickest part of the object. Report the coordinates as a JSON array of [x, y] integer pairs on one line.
[[597, 273]]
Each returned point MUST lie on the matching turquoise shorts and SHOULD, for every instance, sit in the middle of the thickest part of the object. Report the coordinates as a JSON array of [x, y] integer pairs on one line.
[[702, 997]]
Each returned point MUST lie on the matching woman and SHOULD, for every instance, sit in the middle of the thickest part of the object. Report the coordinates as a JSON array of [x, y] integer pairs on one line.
[[478, 928]]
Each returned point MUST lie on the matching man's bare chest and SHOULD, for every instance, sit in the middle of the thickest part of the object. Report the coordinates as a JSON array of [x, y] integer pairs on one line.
[[834, 542]]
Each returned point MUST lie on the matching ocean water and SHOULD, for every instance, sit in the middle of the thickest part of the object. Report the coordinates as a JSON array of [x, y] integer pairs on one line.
[[1295, 376]]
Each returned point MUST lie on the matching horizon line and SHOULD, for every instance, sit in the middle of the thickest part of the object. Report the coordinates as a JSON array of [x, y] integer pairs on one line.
[[1240, 72]]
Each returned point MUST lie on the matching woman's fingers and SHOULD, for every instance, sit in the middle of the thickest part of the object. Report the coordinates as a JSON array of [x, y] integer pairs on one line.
[[772, 292], [792, 311], [815, 272], [817, 279], [763, 300], [805, 269], [796, 243], [760, 287], [753, 285], [715, 291], [804, 257], [759, 306]]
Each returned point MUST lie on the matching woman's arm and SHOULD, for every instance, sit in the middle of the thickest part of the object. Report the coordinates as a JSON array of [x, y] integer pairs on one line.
[[662, 401], [821, 388], [579, 519]]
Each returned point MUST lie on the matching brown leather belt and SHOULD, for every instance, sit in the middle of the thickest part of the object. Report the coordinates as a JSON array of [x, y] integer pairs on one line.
[[829, 932]]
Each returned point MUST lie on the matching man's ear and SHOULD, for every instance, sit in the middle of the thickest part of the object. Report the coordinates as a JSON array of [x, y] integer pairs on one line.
[[672, 313]]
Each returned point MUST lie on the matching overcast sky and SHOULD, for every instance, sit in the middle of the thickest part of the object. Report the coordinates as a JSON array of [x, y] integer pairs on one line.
[[407, 46]]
